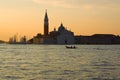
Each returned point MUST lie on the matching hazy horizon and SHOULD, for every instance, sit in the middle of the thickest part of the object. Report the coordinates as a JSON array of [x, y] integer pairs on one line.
[[83, 17]]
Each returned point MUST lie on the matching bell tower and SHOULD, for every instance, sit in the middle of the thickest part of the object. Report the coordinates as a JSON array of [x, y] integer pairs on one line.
[[46, 24]]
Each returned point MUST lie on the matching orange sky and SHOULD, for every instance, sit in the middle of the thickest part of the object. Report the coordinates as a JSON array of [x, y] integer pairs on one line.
[[83, 17]]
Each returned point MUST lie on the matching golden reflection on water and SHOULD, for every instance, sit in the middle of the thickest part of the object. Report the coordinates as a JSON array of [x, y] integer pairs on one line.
[[55, 62]]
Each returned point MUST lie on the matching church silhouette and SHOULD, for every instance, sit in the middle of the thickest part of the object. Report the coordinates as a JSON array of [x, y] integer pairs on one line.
[[60, 36]]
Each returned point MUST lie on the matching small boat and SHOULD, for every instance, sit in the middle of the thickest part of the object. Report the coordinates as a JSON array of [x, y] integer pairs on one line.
[[71, 47]]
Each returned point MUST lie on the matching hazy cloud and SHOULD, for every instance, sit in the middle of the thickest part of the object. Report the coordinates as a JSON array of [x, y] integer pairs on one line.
[[57, 3], [82, 4], [85, 4]]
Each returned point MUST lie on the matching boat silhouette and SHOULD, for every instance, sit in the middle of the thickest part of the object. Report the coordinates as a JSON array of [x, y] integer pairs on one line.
[[71, 47]]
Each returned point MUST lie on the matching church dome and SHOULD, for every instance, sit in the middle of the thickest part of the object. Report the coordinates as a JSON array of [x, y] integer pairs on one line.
[[61, 28]]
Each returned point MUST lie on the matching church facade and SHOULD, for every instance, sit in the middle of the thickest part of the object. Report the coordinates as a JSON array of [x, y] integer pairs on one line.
[[59, 36]]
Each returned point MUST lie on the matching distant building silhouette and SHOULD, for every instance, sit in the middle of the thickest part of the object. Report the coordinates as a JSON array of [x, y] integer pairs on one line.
[[23, 40], [98, 39], [14, 40], [46, 24], [1, 41], [65, 37], [62, 36]]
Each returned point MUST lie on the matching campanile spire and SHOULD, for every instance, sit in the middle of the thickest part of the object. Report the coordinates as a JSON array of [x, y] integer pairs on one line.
[[46, 24]]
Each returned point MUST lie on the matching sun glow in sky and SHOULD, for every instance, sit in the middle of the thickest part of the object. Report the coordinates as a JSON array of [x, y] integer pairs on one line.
[[83, 17]]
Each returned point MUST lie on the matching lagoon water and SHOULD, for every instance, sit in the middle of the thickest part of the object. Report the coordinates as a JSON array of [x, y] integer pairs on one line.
[[55, 62]]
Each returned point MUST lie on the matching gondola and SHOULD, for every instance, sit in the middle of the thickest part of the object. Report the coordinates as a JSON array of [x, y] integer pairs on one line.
[[71, 47]]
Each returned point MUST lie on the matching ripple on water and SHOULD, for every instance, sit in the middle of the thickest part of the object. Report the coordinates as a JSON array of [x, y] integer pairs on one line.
[[12, 77], [55, 62]]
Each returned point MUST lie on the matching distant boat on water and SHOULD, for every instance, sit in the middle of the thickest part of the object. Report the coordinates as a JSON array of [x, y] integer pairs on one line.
[[71, 47]]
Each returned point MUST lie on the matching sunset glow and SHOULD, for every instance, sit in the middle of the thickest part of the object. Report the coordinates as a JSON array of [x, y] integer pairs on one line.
[[83, 17]]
